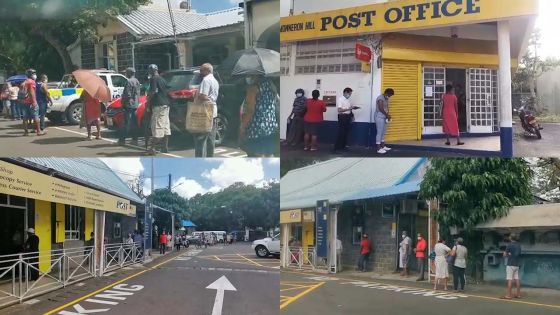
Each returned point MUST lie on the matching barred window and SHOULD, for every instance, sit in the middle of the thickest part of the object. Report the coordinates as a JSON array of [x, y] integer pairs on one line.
[[73, 223], [285, 55], [332, 55]]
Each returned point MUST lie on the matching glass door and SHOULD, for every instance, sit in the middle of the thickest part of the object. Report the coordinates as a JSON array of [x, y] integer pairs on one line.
[[433, 89], [482, 100]]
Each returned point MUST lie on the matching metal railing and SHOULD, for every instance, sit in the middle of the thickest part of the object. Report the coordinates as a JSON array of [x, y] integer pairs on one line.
[[26, 275], [301, 258]]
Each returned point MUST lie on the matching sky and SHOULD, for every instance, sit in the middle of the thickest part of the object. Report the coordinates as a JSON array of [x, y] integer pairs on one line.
[[193, 176], [548, 23]]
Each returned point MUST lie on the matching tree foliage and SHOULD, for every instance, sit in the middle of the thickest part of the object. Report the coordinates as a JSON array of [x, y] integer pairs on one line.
[[547, 178], [474, 190], [56, 24], [233, 208]]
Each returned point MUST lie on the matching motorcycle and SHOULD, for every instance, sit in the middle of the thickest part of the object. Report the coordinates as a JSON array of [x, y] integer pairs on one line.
[[529, 122]]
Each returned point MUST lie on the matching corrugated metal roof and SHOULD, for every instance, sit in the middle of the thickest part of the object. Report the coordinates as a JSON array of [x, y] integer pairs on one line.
[[531, 216], [154, 22], [348, 179], [89, 170]]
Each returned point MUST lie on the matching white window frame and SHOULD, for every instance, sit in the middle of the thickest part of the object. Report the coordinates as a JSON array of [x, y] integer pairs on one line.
[[74, 214], [285, 58], [309, 60]]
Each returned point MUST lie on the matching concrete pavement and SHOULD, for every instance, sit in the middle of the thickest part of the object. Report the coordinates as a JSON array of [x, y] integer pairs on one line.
[[309, 293], [525, 145], [69, 141], [193, 281]]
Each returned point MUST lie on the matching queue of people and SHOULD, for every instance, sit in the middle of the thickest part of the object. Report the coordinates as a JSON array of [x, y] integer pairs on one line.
[[307, 115]]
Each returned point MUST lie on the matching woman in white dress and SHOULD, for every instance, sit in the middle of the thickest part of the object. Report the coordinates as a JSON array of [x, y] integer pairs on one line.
[[442, 269]]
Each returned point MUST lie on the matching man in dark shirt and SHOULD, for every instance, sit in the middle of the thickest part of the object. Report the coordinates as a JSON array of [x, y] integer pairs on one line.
[[513, 255], [32, 247], [129, 100], [158, 106]]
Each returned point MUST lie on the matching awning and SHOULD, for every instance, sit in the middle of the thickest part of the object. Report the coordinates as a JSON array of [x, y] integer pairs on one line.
[[532, 216], [24, 182], [187, 223]]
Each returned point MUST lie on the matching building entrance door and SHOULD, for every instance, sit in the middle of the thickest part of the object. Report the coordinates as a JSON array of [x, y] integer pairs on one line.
[[482, 100], [434, 87], [457, 78]]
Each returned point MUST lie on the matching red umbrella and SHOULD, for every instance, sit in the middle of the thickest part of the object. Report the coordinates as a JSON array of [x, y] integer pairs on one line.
[[93, 84]]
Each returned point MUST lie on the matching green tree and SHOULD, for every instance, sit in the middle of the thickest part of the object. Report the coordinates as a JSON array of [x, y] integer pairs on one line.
[[547, 178], [473, 190], [60, 23]]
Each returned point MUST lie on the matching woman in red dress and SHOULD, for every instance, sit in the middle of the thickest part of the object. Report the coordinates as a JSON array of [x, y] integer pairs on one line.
[[448, 112], [92, 113]]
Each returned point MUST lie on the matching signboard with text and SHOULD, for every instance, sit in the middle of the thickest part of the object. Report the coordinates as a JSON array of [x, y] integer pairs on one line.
[[402, 15], [23, 182], [363, 53], [321, 228], [290, 216]]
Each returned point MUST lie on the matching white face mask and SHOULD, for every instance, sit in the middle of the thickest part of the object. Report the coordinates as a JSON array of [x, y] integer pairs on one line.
[[34, 77], [299, 95], [249, 80], [403, 236], [347, 96]]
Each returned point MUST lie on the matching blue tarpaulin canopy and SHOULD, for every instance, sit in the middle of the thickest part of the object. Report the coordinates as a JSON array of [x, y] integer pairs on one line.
[[17, 79], [187, 223]]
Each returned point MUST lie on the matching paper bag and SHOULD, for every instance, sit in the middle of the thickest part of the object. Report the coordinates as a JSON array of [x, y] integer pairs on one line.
[[199, 117]]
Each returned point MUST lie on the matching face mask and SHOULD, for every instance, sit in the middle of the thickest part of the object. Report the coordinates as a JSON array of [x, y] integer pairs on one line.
[[149, 77], [419, 238], [249, 80], [403, 236], [34, 77], [299, 95]]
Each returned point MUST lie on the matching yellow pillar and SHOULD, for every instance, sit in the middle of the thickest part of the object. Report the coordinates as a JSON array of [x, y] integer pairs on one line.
[[43, 231], [89, 223], [60, 221]]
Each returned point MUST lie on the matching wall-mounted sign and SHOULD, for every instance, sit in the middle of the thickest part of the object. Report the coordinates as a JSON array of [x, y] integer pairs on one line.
[[395, 16], [363, 52], [308, 216], [23, 182], [290, 216], [321, 228]]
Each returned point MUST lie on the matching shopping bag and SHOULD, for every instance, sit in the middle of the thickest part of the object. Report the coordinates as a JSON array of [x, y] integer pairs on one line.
[[200, 117]]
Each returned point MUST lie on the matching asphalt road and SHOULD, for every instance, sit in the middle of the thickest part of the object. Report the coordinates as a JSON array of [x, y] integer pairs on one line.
[[179, 286], [69, 141], [525, 145], [324, 295], [325, 151]]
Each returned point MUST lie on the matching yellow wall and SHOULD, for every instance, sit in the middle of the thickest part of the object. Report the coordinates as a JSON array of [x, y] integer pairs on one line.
[[89, 223], [308, 237], [43, 231], [60, 218]]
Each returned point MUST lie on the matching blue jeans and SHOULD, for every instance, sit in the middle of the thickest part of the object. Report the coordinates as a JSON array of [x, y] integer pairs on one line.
[[128, 125], [16, 112], [42, 113], [362, 262]]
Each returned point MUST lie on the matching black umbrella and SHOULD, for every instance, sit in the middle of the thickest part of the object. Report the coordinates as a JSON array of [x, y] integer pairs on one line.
[[253, 61]]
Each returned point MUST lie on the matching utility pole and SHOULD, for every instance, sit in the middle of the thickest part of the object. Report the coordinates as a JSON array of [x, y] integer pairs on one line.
[[169, 184]]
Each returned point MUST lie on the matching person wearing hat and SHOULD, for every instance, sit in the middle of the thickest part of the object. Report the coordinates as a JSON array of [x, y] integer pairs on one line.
[[299, 108], [345, 118], [32, 246], [130, 104], [30, 107], [158, 106]]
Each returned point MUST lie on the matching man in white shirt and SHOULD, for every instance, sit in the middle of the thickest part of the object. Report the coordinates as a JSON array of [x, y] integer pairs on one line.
[[338, 255], [345, 117], [209, 90]]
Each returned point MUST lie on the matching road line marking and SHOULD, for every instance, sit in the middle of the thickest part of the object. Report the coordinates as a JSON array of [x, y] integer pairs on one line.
[[257, 264], [32, 301], [466, 294], [115, 141], [104, 288], [243, 262], [300, 295]]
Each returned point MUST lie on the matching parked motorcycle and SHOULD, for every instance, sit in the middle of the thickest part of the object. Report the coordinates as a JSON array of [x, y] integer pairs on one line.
[[529, 122]]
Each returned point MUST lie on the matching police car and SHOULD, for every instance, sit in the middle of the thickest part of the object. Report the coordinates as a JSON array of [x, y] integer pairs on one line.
[[66, 97]]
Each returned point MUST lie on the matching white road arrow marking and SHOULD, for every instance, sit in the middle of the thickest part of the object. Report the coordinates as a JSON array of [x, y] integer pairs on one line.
[[220, 286], [80, 310]]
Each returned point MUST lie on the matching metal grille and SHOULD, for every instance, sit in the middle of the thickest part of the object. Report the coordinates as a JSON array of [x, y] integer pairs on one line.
[[285, 55], [434, 88], [332, 55]]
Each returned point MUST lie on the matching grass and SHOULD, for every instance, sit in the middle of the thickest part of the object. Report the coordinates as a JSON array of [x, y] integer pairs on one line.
[[548, 118]]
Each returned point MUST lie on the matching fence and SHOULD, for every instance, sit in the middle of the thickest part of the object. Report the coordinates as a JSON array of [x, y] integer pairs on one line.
[[22, 279], [304, 258]]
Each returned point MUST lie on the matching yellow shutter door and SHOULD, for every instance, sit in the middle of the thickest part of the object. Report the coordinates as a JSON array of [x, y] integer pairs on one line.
[[404, 107]]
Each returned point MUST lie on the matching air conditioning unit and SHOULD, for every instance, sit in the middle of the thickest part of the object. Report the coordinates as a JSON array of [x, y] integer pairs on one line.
[[409, 206]]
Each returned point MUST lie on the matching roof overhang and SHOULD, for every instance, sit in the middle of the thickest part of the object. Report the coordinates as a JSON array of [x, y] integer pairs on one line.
[[545, 216]]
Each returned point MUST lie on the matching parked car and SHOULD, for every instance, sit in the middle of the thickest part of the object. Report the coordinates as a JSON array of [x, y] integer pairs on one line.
[[267, 246], [66, 97], [183, 85]]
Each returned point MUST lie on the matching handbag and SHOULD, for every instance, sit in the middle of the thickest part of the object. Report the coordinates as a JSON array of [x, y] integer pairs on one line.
[[451, 258], [200, 117]]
